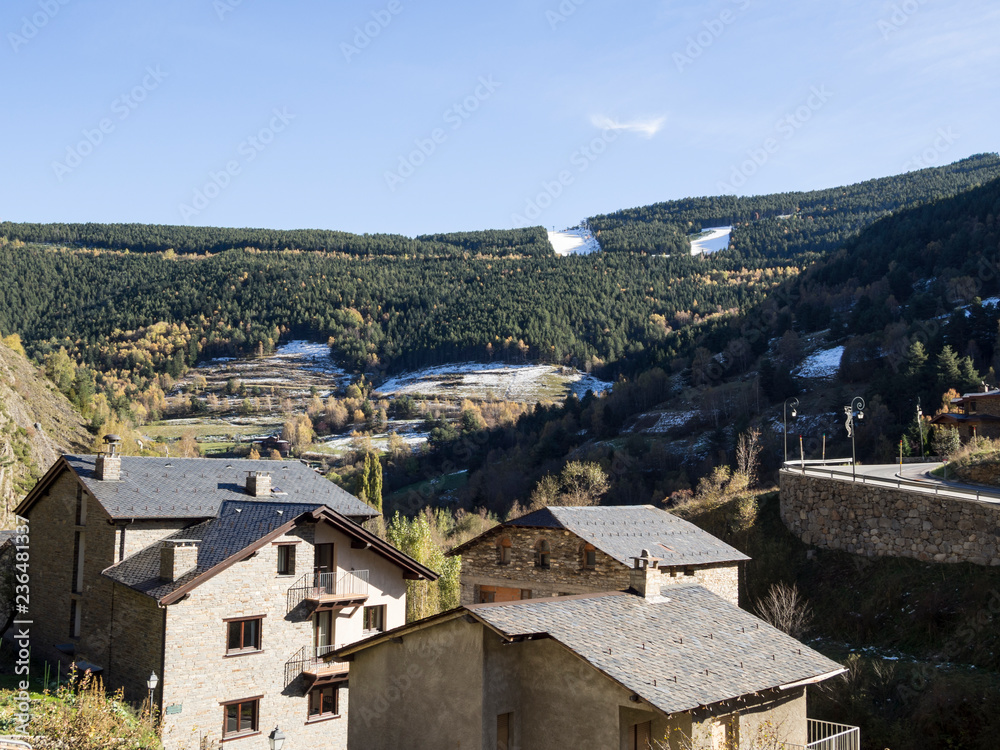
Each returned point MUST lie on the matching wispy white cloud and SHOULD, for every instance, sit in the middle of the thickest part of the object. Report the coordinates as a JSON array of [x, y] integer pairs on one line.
[[647, 127]]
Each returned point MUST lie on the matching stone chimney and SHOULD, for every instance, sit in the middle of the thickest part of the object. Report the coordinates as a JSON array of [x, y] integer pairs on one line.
[[258, 484], [108, 467], [177, 557], [644, 577]]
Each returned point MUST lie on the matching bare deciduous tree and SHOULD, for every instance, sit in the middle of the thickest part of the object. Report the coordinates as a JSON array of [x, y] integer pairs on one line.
[[786, 609], [748, 449]]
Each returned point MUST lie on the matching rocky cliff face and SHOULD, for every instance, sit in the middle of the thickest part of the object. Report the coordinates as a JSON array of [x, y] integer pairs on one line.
[[37, 423]]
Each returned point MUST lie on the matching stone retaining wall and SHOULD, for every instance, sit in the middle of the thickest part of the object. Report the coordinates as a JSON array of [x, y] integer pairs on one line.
[[876, 520]]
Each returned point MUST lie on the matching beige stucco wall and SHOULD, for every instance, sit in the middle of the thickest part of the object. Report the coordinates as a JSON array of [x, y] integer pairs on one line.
[[445, 685], [425, 692]]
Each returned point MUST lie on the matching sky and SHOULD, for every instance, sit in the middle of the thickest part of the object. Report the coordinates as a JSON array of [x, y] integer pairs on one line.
[[415, 117]]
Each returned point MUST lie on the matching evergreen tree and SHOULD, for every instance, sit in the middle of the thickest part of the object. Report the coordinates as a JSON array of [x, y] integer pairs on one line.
[[947, 370]]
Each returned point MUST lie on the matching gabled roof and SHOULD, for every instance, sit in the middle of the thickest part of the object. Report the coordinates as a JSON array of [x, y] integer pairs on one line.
[[196, 488], [977, 394], [622, 532], [678, 653], [241, 528], [949, 418]]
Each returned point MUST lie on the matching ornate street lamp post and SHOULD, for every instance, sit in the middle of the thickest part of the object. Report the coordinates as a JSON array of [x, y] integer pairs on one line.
[[920, 426], [855, 411], [151, 682], [794, 403]]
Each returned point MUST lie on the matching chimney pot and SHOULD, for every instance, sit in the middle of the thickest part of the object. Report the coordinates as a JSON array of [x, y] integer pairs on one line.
[[108, 466], [258, 484], [177, 558]]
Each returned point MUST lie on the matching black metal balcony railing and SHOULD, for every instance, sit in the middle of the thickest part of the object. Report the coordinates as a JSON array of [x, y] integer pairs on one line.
[[310, 661], [349, 587]]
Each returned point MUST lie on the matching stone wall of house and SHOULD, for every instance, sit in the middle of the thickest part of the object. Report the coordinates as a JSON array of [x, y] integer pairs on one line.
[[566, 573], [722, 579], [135, 642], [873, 520], [200, 677], [140, 534], [53, 525]]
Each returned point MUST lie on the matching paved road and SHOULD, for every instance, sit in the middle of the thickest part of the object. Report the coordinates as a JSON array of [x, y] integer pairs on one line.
[[915, 477]]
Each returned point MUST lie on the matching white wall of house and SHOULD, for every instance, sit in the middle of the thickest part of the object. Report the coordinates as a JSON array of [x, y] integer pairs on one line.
[[386, 586]]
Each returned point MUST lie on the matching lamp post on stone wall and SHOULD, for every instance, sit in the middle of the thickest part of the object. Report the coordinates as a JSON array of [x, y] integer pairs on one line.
[[794, 403], [920, 426], [856, 410]]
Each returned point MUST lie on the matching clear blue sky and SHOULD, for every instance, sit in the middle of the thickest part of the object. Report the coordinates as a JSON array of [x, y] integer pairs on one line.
[[414, 117]]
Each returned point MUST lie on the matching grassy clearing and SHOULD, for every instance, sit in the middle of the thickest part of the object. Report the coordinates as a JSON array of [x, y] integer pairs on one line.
[[208, 428]]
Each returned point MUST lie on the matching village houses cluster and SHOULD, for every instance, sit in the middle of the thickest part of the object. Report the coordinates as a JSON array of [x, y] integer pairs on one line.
[[266, 611]]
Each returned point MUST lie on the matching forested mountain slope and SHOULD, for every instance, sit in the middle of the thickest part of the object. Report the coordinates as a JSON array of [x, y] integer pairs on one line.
[[151, 238], [787, 224]]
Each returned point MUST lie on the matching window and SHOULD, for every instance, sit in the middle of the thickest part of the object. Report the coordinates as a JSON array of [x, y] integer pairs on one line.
[[81, 507], [503, 551], [241, 717], [588, 554], [503, 731], [375, 619], [243, 635], [542, 554], [324, 701], [286, 560], [78, 558], [490, 594], [972, 406], [324, 558], [323, 633], [75, 614]]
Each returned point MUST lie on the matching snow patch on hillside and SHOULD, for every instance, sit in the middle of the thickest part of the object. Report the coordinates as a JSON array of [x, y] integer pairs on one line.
[[823, 364], [576, 241], [710, 240], [496, 380]]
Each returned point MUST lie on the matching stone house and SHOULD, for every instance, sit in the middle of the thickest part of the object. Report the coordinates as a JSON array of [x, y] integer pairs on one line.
[[229, 580], [976, 415], [669, 666], [578, 550]]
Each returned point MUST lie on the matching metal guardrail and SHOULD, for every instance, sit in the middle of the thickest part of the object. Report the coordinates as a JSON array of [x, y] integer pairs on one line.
[[898, 483], [825, 735]]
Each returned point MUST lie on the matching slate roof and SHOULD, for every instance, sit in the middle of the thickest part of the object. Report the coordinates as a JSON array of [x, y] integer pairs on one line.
[[196, 488], [238, 525], [689, 650], [622, 532]]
